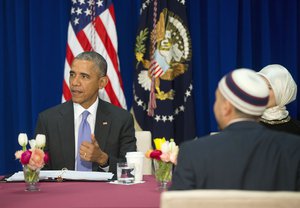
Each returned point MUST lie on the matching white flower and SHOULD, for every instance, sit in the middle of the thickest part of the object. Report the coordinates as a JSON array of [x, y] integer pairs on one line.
[[173, 157], [22, 139], [174, 149], [40, 140], [32, 143], [165, 147], [172, 146]]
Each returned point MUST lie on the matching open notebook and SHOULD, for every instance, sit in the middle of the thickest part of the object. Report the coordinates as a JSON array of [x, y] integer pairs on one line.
[[49, 175]]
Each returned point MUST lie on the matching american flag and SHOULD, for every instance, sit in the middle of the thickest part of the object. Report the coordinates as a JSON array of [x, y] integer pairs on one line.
[[92, 27]]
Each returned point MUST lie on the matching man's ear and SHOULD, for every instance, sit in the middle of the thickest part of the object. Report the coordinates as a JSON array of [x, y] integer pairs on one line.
[[103, 82], [227, 108]]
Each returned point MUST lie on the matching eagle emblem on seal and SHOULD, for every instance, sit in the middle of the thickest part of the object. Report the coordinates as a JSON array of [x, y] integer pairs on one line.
[[172, 51]]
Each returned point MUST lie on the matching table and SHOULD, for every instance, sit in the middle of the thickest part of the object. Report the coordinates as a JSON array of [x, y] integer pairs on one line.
[[81, 194]]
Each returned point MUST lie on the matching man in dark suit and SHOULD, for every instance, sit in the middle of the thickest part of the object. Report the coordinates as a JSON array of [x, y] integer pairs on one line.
[[111, 128], [245, 154]]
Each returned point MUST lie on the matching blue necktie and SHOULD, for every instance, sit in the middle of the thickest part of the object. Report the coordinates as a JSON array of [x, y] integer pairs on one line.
[[84, 134]]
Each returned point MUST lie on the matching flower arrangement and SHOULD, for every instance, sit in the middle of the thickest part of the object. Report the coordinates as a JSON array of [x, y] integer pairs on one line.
[[164, 155], [32, 159]]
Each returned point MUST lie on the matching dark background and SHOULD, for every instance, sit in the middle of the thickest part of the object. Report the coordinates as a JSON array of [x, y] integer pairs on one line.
[[226, 34]]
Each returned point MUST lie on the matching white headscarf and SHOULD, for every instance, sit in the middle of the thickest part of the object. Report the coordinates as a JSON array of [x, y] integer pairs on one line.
[[284, 87]]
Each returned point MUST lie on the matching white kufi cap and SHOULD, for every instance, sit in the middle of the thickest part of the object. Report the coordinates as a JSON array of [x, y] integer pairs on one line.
[[246, 90]]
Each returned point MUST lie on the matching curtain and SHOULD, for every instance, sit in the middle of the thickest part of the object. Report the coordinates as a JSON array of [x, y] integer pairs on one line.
[[225, 34]]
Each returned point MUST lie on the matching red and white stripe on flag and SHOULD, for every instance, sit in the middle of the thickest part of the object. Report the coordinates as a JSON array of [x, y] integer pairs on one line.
[[155, 69], [93, 27]]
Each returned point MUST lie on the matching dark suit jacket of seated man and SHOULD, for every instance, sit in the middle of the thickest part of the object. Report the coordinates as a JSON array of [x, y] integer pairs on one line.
[[114, 133], [245, 155]]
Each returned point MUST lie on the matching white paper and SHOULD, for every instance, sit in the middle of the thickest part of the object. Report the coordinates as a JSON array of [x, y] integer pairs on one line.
[[66, 174], [120, 183]]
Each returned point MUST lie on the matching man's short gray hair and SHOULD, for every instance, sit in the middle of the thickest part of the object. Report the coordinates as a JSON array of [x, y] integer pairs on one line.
[[96, 58]]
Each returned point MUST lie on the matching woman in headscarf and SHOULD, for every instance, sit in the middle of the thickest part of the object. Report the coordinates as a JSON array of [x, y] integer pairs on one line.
[[283, 90]]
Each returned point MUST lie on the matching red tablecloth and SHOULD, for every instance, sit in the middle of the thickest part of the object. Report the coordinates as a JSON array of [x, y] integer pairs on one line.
[[81, 194]]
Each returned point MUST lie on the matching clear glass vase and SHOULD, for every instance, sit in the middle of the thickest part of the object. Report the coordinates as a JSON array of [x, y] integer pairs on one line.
[[31, 178], [163, 174]]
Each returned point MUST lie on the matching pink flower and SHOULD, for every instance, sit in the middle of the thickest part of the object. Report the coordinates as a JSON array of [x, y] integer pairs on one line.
[[173, 158], [155, 154], [18, 154], [165, 157], [46, 157], [37, 159], [25, 157]]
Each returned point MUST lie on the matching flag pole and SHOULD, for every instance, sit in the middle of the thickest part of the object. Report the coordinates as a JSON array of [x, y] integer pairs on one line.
[[152, 99]]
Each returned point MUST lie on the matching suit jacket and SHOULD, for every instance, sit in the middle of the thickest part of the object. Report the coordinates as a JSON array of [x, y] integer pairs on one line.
[[245, 155], [114, 132]]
